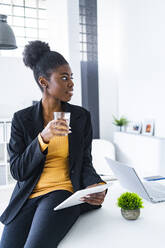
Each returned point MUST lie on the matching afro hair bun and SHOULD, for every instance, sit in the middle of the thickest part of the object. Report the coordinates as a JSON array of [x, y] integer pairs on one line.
[[33, 52]]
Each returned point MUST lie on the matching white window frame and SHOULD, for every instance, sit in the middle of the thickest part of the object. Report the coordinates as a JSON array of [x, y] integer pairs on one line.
[[24, 32]]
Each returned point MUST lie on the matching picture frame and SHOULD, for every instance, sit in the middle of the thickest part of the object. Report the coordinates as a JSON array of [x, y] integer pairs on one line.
[[148, 127], [134, 127]]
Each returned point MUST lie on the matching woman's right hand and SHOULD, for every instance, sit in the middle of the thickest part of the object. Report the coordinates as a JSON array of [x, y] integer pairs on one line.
[[55, 128]]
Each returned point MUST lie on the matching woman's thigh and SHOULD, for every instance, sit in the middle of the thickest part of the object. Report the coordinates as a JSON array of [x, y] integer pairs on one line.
[[49, 226], [15, 233]]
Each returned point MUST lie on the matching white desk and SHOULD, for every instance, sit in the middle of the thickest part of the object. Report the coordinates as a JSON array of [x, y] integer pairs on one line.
[[107, 228]]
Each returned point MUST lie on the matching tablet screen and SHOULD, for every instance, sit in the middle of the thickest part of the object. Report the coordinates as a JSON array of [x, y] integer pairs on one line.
[[75, 198]]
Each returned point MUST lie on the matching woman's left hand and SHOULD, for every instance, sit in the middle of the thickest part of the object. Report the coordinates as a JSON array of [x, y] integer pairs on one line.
[[96, 198]]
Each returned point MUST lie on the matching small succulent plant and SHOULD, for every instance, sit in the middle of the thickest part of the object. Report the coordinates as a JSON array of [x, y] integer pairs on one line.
[[120, 122], [129, 201]]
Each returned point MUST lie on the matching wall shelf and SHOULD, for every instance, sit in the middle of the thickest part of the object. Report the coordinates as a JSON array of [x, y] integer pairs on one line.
[[144, 153], [5, 175]]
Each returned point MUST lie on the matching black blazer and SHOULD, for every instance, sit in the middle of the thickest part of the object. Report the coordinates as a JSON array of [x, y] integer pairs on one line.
[[27, 161]]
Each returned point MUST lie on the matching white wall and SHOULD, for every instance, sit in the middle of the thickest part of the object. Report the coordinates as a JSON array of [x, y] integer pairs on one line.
[[131, 55], [141, 60], [58, 26], [63, 22], [18, 87]]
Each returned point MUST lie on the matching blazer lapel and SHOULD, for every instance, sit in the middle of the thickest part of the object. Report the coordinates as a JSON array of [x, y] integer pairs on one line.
[[34, 120], [74, 137], [38, 118]]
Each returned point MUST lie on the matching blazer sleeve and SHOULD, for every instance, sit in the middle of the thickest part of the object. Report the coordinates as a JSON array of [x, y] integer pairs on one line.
[[24, 160], [89, 175]]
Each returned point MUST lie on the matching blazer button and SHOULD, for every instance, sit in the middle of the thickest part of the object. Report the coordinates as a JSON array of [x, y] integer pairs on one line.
[[72, 171]]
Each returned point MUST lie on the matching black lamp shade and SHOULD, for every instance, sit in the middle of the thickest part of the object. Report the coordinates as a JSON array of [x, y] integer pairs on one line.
[[7, 38]]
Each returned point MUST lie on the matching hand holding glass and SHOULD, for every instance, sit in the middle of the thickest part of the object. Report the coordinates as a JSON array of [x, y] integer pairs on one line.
[[64, 116]]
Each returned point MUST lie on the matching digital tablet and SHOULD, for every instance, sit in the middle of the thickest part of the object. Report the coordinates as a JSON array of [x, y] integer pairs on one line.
[[75, 198]]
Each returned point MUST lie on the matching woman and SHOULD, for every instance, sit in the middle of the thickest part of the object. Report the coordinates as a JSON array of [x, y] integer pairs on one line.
[[49, 161]]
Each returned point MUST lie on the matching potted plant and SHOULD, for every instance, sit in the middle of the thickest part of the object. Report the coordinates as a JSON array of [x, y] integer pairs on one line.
[[130, 204], [122, 122]]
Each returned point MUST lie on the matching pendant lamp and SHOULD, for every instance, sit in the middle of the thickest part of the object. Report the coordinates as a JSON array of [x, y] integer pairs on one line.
[[7, 38]]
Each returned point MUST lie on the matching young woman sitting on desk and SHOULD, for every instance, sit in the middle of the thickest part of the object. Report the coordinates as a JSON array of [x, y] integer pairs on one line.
[[48, 161]]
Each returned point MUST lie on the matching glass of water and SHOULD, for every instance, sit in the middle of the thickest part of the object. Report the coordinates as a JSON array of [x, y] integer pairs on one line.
[[62, 116]]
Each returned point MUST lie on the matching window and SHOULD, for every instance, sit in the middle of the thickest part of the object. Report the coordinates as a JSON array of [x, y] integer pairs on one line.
[[88, 30], [89, 60], [28, 19]]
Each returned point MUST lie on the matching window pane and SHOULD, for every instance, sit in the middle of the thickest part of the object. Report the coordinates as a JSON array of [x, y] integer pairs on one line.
[[42, 14], [28, 22], [18, 11], [83, 19], [30, 12], [9, 20], [42, 33], [31, 22], [81, 46], [18, 21], [84, 38], [44, 39], [31, 3], [84, 56], [18, 31], [6, 1], [5, 9], [31, 32], [18, 2], [43, 24], [83, 28], [42, 4], [29, 39], [20, 41], [84, 47]]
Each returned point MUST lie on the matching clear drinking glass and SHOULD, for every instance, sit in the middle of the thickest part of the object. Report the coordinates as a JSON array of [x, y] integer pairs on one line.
[[63, 116]]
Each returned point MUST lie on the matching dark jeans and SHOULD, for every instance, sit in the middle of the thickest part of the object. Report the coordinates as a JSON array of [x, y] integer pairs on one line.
[[37, 225]]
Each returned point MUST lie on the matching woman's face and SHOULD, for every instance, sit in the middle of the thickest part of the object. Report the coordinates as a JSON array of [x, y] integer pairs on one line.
[[60, 85]]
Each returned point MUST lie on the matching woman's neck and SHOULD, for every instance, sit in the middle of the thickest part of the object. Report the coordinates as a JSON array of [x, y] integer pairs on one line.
[[51, 105]]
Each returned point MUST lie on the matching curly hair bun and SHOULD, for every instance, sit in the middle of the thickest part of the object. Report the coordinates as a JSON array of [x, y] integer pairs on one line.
[[33, 52]]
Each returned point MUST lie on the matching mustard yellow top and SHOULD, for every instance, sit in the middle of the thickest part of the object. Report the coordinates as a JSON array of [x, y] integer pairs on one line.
[[55, 175]]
